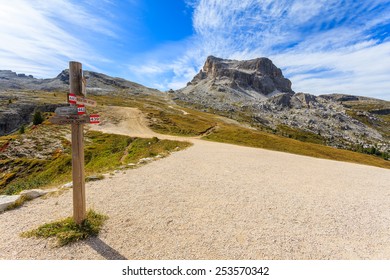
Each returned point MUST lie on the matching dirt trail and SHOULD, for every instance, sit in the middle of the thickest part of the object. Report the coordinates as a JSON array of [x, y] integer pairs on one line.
[[219, 201], [130, 121], [124, 120]]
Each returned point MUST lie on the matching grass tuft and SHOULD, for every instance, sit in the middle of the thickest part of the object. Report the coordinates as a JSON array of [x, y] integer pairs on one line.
[[66, 231]]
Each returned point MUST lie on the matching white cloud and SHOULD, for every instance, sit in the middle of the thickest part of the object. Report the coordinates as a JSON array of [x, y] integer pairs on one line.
[[360, 70], [39, 38], [300, 36], [321, 45]]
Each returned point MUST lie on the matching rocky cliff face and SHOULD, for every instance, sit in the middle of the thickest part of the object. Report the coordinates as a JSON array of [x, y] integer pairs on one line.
[[13, 116], [259, 75], [233, 81], [320, 116], [257, 90]]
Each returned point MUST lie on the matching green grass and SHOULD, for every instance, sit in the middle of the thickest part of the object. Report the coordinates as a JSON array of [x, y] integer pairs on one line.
[[165, 119], [151, 147], [304, 136], [102, 153], [367, 105], [51, 172], [66, 231], [361, 118], [258, 139], [18, 203], [21, 169], [175, 124], [296, 141], [383, 122]]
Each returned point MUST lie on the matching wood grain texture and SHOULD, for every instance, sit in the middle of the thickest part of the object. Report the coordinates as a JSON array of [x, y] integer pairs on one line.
[[79, 203]]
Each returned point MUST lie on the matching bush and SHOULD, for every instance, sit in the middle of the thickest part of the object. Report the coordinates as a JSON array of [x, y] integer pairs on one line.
[[38, 118], [22, 129]]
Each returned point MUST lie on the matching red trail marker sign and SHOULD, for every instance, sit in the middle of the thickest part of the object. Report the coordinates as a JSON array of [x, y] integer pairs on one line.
[[94, 119], [80, 109], [72, 98]]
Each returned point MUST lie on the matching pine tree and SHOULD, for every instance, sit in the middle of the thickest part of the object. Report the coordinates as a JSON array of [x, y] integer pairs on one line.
[[22, 129], [37, 119]]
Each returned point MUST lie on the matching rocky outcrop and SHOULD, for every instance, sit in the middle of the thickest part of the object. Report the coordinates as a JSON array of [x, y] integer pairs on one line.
[[14, 115], [318, 115], [12, 201], [222, 84], [257, 88], [7, 201], [259, 75], [35, 193]]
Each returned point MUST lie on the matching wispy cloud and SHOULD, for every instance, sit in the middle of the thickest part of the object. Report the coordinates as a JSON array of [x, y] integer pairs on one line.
[[40, 37], [348, 40], [321, 45]]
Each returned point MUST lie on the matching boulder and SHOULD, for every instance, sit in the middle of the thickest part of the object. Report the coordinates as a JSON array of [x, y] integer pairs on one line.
[[8, 200], [93, 178], [33, 193], [67, 185]]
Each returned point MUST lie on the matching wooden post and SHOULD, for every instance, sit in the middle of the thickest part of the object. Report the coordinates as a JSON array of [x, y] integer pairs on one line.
[[79, 207]]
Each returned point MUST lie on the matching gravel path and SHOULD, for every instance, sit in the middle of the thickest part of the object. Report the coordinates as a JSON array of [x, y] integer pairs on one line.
[[220, 201]]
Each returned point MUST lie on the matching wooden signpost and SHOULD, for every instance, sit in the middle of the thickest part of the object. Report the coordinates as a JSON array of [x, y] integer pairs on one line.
[[76, 116], [79, 206]]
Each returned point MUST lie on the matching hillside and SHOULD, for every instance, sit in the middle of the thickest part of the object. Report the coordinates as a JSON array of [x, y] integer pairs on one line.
[[26, 155], [241, 102], [256, 92], [212, 200], [219, 201], [96, 82]]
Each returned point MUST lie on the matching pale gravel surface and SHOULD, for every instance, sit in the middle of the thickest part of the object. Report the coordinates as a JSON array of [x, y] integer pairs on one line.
[[219, 201]]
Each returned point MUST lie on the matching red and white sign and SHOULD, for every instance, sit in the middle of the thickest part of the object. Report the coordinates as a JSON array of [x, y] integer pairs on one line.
[[94, 118], [80, 109], [85, 101], [72, 98]]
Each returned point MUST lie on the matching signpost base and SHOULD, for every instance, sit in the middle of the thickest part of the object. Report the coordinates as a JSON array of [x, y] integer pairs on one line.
[[79, 206]]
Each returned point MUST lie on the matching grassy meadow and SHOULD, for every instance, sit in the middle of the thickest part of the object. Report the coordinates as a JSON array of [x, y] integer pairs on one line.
[[107, 152]]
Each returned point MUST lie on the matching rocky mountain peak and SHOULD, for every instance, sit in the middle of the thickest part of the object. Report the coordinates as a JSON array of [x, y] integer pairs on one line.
[[64, 76], [262, 66], [8, 74], [260, 77], [97, 83]]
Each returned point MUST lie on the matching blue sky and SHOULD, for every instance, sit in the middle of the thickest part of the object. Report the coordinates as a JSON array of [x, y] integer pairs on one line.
[[322, 46]]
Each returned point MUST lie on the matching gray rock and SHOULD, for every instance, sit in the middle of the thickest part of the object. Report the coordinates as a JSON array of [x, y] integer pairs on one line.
[[67, 185], [144, 160], [229, 86], [93, 178], [16, 114], [8, 200], [33, 193]]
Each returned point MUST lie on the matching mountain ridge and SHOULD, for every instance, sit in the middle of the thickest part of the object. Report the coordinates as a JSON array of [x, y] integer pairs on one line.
[[256, 91], [251, 91], [97, 83]]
